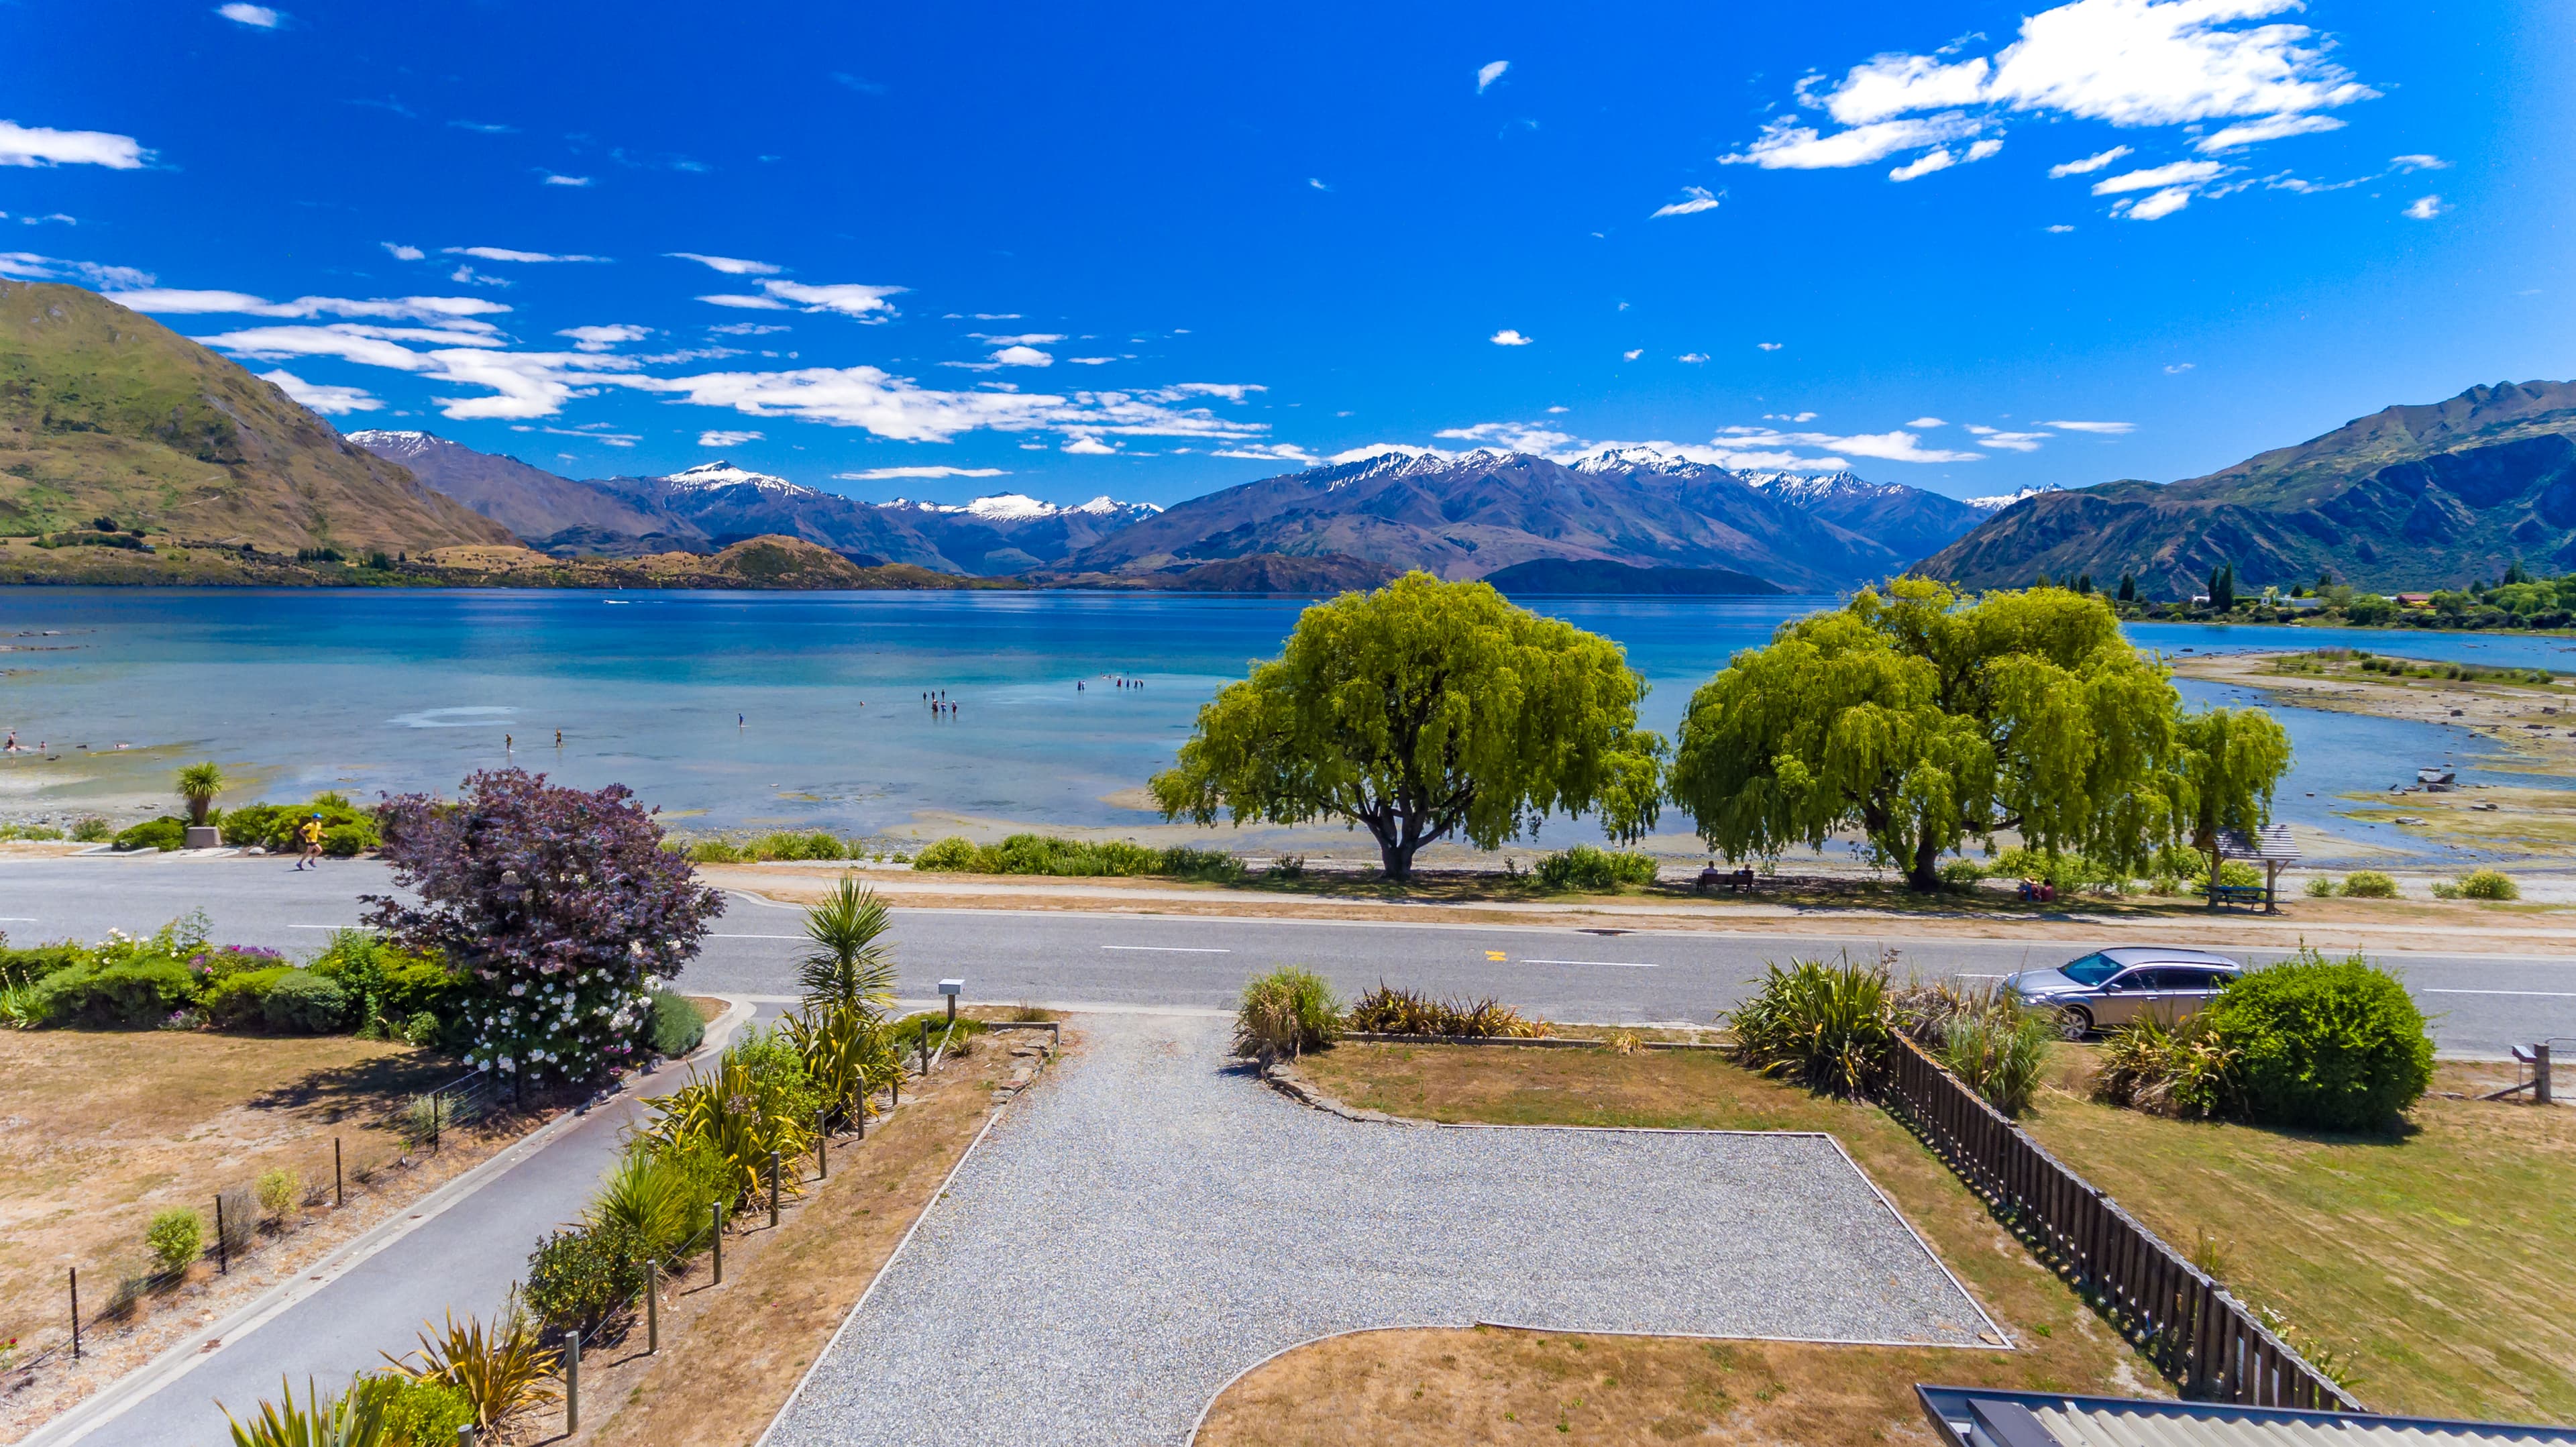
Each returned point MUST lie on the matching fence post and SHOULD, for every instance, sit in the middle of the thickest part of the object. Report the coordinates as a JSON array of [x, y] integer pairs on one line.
[[773, 1188], [822, 1145], [2540, 1073], [223, 1249], [339, 1196], [717, 1211], [572, 1381], [465, 1435], [76, 1350], [652, 1308], [433, 1122], [859, 1108]]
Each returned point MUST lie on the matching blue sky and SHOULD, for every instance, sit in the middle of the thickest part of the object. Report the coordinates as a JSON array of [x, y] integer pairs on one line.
[[1151, 250]]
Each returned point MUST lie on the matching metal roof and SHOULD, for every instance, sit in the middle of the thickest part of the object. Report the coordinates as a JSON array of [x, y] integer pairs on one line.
[[2272, 844], [1969, 1417]]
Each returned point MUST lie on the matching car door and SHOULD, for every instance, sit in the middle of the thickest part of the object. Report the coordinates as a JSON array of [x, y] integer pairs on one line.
[[2181, 994], [2127, 998]]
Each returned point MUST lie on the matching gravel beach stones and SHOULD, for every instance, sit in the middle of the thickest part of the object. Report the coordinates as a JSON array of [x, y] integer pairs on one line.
[[1152, 1221]]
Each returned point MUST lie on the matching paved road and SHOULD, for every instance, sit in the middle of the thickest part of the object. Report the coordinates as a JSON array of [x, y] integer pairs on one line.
[[2482, 1003]]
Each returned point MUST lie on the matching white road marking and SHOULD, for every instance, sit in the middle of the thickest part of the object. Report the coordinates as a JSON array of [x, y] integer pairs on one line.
[[1169, 949], [331, 926], [713, 936], [1614, 964], [2535, 994]]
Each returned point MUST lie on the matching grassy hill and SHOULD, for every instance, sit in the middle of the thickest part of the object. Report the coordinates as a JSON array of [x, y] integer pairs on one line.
[[105, 413]]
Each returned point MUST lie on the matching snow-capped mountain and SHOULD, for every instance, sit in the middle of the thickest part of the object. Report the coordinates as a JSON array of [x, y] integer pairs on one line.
[[1005, 507], [724, 474], [2000, 501]]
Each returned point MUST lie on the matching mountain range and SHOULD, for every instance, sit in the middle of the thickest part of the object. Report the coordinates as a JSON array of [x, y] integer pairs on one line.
[[2427, 496]]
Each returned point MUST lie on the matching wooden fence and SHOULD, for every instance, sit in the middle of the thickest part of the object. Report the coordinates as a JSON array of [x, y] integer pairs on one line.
[[2197, 1333]]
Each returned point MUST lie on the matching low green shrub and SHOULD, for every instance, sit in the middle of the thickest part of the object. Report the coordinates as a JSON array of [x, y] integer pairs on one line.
[[2321, 886], [346, 828], [2186, 1071], [1593, 870], [2489, 884], [1288, 866], [1960, 876], [176, 1237], [1999, 1051], [651, 1199], [133, 991], [2324, 1043], [952, 855], [580, 1276], [1390, 1011], [1286, 1012], [674, 1028], [302, 1002], [280, 1191], [419, 1029], [2068, 872], [815, 845], [36, 962], [716, 851], [165, 833], [416, 1411], [1824, 1026], [37, 832], [93, 830], [2369, 884], [237, 1001]]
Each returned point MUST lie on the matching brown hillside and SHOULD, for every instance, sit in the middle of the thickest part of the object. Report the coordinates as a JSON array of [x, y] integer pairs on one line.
[[105, 412]]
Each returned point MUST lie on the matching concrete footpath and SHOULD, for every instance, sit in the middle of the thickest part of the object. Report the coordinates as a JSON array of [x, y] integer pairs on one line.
[[457, 1249]]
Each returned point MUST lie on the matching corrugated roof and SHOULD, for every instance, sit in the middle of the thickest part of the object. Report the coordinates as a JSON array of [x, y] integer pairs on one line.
[[2081, 1426]]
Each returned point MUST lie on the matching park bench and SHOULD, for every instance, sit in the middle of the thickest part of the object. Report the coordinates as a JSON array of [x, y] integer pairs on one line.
[[1732, 880], [2245, 894]]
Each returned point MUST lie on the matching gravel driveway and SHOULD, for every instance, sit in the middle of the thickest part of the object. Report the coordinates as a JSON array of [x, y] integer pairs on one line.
[[1152, 1221]]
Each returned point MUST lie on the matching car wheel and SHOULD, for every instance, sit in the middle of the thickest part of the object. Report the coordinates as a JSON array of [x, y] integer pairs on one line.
[[2074, 1022]]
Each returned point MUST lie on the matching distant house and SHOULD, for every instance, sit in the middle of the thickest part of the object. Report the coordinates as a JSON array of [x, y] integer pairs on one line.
[[2414, 600]]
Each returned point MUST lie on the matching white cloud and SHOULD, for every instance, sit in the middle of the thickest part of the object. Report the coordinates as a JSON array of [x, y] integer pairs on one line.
[[1016, 356], [2113, 428], [1632, 354], [30, 266], [1694, 358], [2178, 173], [258, 17], [2089, 164], [400, 252], [729, 265], [456, 313], [553, 179], [1786, 145], [2011, 441], [868, 303], [1924, 165], [745, 329], [1917, 422], [1091, 361], [2176, 369], [721, 438], [1490, 72], [604, 338], [2124, 62], [1532, 437], [1024, 339], [1770, 346], [1090, 447], [38, 146], [2419, 162], [1318, 183], [2164, 203], [1897, 446], [2060, 229], [1979, 150], [1699, 200], [1267, 452], [503, 253], [1810, 417], [882, 474], [2426, 208], [316, 397], [2269, 128], [1508, 338]]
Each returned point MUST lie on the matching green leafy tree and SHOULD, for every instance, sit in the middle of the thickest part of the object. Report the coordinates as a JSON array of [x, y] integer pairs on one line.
[[2229, 761], [2222, 589], [1923, 722], [1419, 710], [848, 967], [2128, 587], [199, 784]]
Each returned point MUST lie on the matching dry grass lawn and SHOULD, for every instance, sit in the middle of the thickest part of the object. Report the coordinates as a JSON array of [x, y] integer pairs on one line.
[[732, 1353], [2433, 1261], [1484, 1385]]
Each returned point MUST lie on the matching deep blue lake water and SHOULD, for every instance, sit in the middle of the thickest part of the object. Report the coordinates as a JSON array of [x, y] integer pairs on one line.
[[760, 710]]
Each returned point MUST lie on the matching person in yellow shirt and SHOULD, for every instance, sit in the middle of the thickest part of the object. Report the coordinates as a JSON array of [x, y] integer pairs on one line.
[[309, 834]]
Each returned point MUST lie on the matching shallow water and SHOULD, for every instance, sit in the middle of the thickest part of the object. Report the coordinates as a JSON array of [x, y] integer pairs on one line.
[[762, 710]]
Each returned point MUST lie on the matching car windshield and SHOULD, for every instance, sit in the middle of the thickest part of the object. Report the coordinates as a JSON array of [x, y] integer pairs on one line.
[[2090, 970]]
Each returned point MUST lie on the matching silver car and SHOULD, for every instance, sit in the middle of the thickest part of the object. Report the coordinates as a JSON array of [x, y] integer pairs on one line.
[[2112, 988]]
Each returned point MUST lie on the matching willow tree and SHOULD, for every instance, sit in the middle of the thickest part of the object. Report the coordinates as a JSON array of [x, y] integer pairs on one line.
[[2229, 761], [1924, 722], [1420, 710]]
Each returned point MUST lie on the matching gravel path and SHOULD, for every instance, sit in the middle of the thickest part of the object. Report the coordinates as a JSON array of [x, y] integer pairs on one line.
[[1140, 1229]]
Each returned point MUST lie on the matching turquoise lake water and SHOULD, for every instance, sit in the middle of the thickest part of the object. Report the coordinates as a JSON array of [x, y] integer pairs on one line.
[[383, 690]]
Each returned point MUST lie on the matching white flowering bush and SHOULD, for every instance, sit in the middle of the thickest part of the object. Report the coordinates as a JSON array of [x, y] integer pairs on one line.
[[558, 908]]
